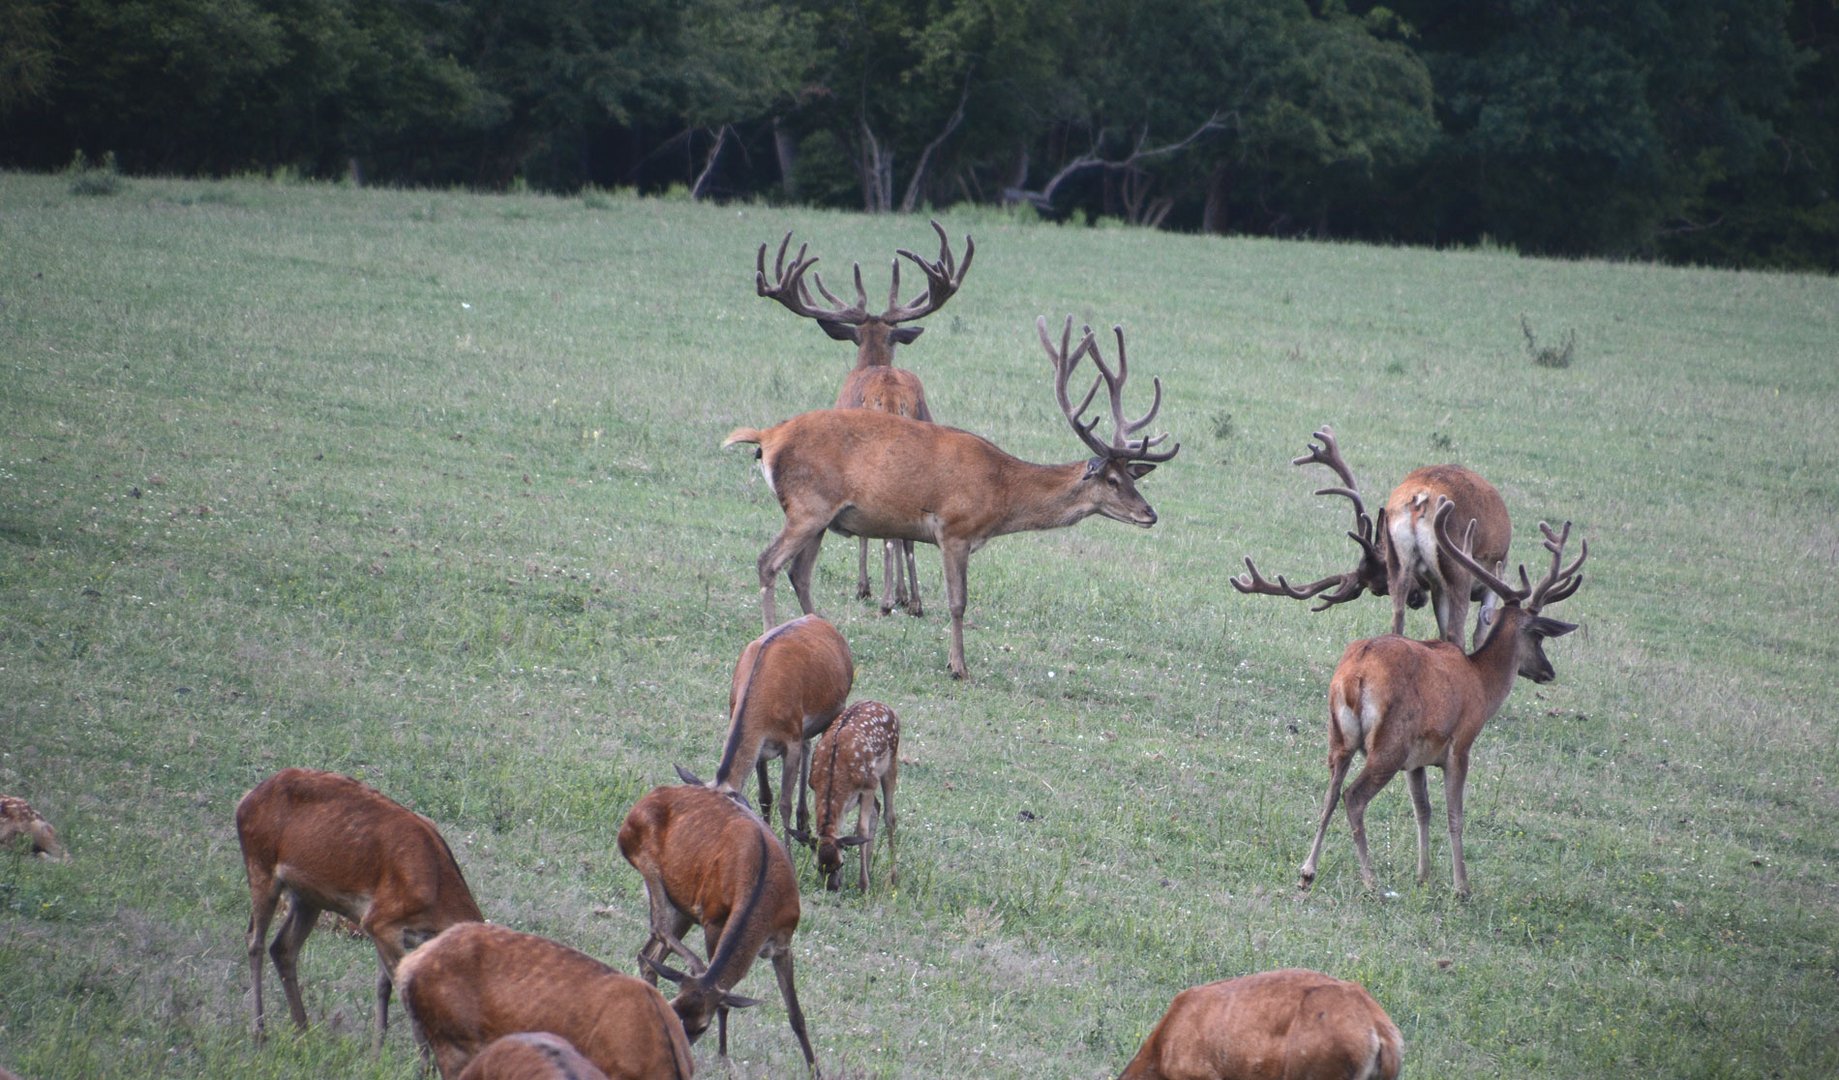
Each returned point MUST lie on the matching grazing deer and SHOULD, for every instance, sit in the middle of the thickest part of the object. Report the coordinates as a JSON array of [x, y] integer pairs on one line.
[[860, 754], [531, 1055], [863, 473], [874, 383], [707, 859], [1277, 1025], [1398, 553], [328, 842], [475, 984], [788, 685], [1411, 704], [17, 818]]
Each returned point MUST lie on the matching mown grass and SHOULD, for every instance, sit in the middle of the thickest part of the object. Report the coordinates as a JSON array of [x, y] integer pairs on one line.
[[426, 487]]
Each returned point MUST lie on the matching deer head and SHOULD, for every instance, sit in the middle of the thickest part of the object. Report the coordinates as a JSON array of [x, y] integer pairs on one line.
[[1119, 464]]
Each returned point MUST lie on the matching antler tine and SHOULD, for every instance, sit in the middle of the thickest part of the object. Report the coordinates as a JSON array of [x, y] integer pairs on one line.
[[840, 312], [1064, 363], [1252, 582], [790, 289], [1329, 454], [1558, 583], [1481, 573], [944, 276], [1122, 446]]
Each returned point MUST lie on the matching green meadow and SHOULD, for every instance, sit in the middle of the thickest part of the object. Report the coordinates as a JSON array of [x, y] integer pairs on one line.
[[427, 487]]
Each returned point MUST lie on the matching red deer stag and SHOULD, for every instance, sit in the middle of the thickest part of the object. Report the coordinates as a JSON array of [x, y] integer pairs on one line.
[[531, 1055], [1398, 554], [709, 860], [860, 755], [789, 684], [328, 842], [874, 383], [1277, 1025], [17, 818], [1409, 704], [472, 986], [863, 473]]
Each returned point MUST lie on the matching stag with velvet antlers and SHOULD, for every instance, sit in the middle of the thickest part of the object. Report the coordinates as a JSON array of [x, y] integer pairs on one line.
[[1398, 550], [874, 383], [870, 474], [1408, 705]]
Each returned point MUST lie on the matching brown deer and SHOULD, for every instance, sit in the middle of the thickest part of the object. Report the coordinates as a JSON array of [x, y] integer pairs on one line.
[[863, 473], [17, 818], [1276, 1025], [874, 383], [328, 842], [707, 859], [860, 754], [531, 1055], [1409, 704], [788, 685], [1398, 552], [477, 983]]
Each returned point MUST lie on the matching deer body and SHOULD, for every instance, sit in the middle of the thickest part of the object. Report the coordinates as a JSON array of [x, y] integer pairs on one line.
[[1416, 567], [17, 818], [1409, 705], [330, 843], [477, 983], [709, 861], [788, 686], [1276, 1025], [531, 1055], [859, 756], [863, 473], [874, 383]]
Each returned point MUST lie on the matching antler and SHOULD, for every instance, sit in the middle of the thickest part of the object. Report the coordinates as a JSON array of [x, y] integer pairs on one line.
[[943, 279], [1254, 582], [1555, 586], [1329, 454], [788, 286], [1121, 447]]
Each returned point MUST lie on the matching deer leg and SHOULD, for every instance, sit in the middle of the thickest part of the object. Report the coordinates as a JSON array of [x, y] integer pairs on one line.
[[1337, 772], [791, 778], [667, 927], [914, 607], [286, 951], [262, 899], [957, 557], [1420, 808], [782, 967], [766, 791], [1365, 786], [1490, 606], [788, 546], [1452, 611], [384, 983], [1455, 775], [888, 784], [893, 590], [800, 571], [863, 592], [865, 828]]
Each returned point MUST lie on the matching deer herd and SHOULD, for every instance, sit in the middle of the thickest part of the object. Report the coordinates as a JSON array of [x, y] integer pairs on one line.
[[485, 1001]]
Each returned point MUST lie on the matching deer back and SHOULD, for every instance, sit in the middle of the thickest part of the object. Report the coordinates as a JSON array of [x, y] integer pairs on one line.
[[17, 818], [531, 1055], [1276, 1025], [884, 389], [348, 848], [1413, 538], [789, 684], [477, 983]]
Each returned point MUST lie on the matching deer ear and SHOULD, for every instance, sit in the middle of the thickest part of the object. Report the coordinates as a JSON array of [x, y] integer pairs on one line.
[[1551, 628], [1139, 469], [687, 776], [906, 335], [736, 1001], [852, 841], [841, 331]]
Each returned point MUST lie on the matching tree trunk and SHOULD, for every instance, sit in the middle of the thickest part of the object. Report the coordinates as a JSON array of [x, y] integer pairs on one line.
[[1213, 217], [786, 148]]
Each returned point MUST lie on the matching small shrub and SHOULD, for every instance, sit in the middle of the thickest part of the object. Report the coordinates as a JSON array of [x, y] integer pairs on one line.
[[1441, 442], [1222, 425], [1558, 356], [99, 179]]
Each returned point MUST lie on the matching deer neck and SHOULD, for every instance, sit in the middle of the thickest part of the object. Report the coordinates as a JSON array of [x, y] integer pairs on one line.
[[1044, 497], [1497, 662]]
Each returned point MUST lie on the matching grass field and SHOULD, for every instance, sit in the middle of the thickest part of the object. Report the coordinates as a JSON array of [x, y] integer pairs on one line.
[[425, 487]]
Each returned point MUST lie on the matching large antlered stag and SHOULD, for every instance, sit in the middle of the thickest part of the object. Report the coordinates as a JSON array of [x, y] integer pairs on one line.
[[709, 860], [328, 842], [1398, 550], [1292, 1024], [862, 473], [1408, 705], [477, 983], [874, 383]]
